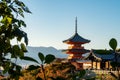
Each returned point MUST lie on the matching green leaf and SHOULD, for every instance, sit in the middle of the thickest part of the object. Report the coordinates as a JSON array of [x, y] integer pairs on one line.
[[6, 67], [49, 58], [13, 55], [8, 1], [12, 8], [21, 54], [6, 21], [33, 67], [19, 38], [23, 23], [16, 50], [18, 68], [41, 57], [29, 59], [113, 43], [23, 47], [26, 39], [19, 23], [26, 9], [9, 20], [19, 3], [20, 11]]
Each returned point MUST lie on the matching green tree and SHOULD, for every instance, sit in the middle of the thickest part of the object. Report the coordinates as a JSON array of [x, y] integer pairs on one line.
[[11, 25], [113, 45]]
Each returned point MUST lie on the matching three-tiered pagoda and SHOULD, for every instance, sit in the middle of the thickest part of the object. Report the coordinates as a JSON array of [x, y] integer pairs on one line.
[[75, 50]]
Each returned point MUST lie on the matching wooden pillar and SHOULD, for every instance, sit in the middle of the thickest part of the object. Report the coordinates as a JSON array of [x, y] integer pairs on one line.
[[105, 65], [108, 64], [96, 64], [92, 64]]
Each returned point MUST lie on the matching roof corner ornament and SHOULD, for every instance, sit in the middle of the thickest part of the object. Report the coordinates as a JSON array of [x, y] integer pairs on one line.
[[76, 25]]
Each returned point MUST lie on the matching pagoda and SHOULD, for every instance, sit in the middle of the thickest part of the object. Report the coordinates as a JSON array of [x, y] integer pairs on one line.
[[76, 48]]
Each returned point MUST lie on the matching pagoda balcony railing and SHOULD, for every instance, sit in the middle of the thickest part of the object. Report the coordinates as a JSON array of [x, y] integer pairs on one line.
[[75, 47], [75, 51], [74, 56]]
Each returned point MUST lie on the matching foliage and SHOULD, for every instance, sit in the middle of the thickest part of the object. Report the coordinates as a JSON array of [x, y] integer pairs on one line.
[[78, 75], [115, 64], [11, 29], [28, 75], [89, 75], [53, 71], [44, 60], [100, 51], [113, 44], [81, 73]]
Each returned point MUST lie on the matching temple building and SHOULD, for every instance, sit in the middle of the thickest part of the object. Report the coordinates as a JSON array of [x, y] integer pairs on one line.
[[101, 60], [76, 48]]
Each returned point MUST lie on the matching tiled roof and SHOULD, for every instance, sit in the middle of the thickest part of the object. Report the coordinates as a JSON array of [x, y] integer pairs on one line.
[[103, 57], [77, 38]]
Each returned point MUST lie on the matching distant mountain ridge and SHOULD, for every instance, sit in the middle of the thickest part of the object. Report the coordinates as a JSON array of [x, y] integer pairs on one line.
[[45, 50], [33, 52]]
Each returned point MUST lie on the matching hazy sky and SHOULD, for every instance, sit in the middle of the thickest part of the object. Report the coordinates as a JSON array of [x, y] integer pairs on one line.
[[53, 21]]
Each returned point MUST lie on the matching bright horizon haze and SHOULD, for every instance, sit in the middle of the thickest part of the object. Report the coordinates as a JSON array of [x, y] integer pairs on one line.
[[53, 21]]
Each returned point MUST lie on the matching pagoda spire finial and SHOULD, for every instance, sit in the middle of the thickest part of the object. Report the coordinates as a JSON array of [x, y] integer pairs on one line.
[[76, 25]]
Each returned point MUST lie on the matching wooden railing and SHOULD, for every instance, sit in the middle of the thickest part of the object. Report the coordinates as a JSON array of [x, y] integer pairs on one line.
[[106, 74], [104, 71]]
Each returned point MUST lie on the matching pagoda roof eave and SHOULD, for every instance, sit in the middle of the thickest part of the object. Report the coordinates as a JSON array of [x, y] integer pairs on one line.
[[76, 38], [72, 42]]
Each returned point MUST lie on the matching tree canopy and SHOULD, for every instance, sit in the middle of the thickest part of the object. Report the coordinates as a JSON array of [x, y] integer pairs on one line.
[[11, 25]]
